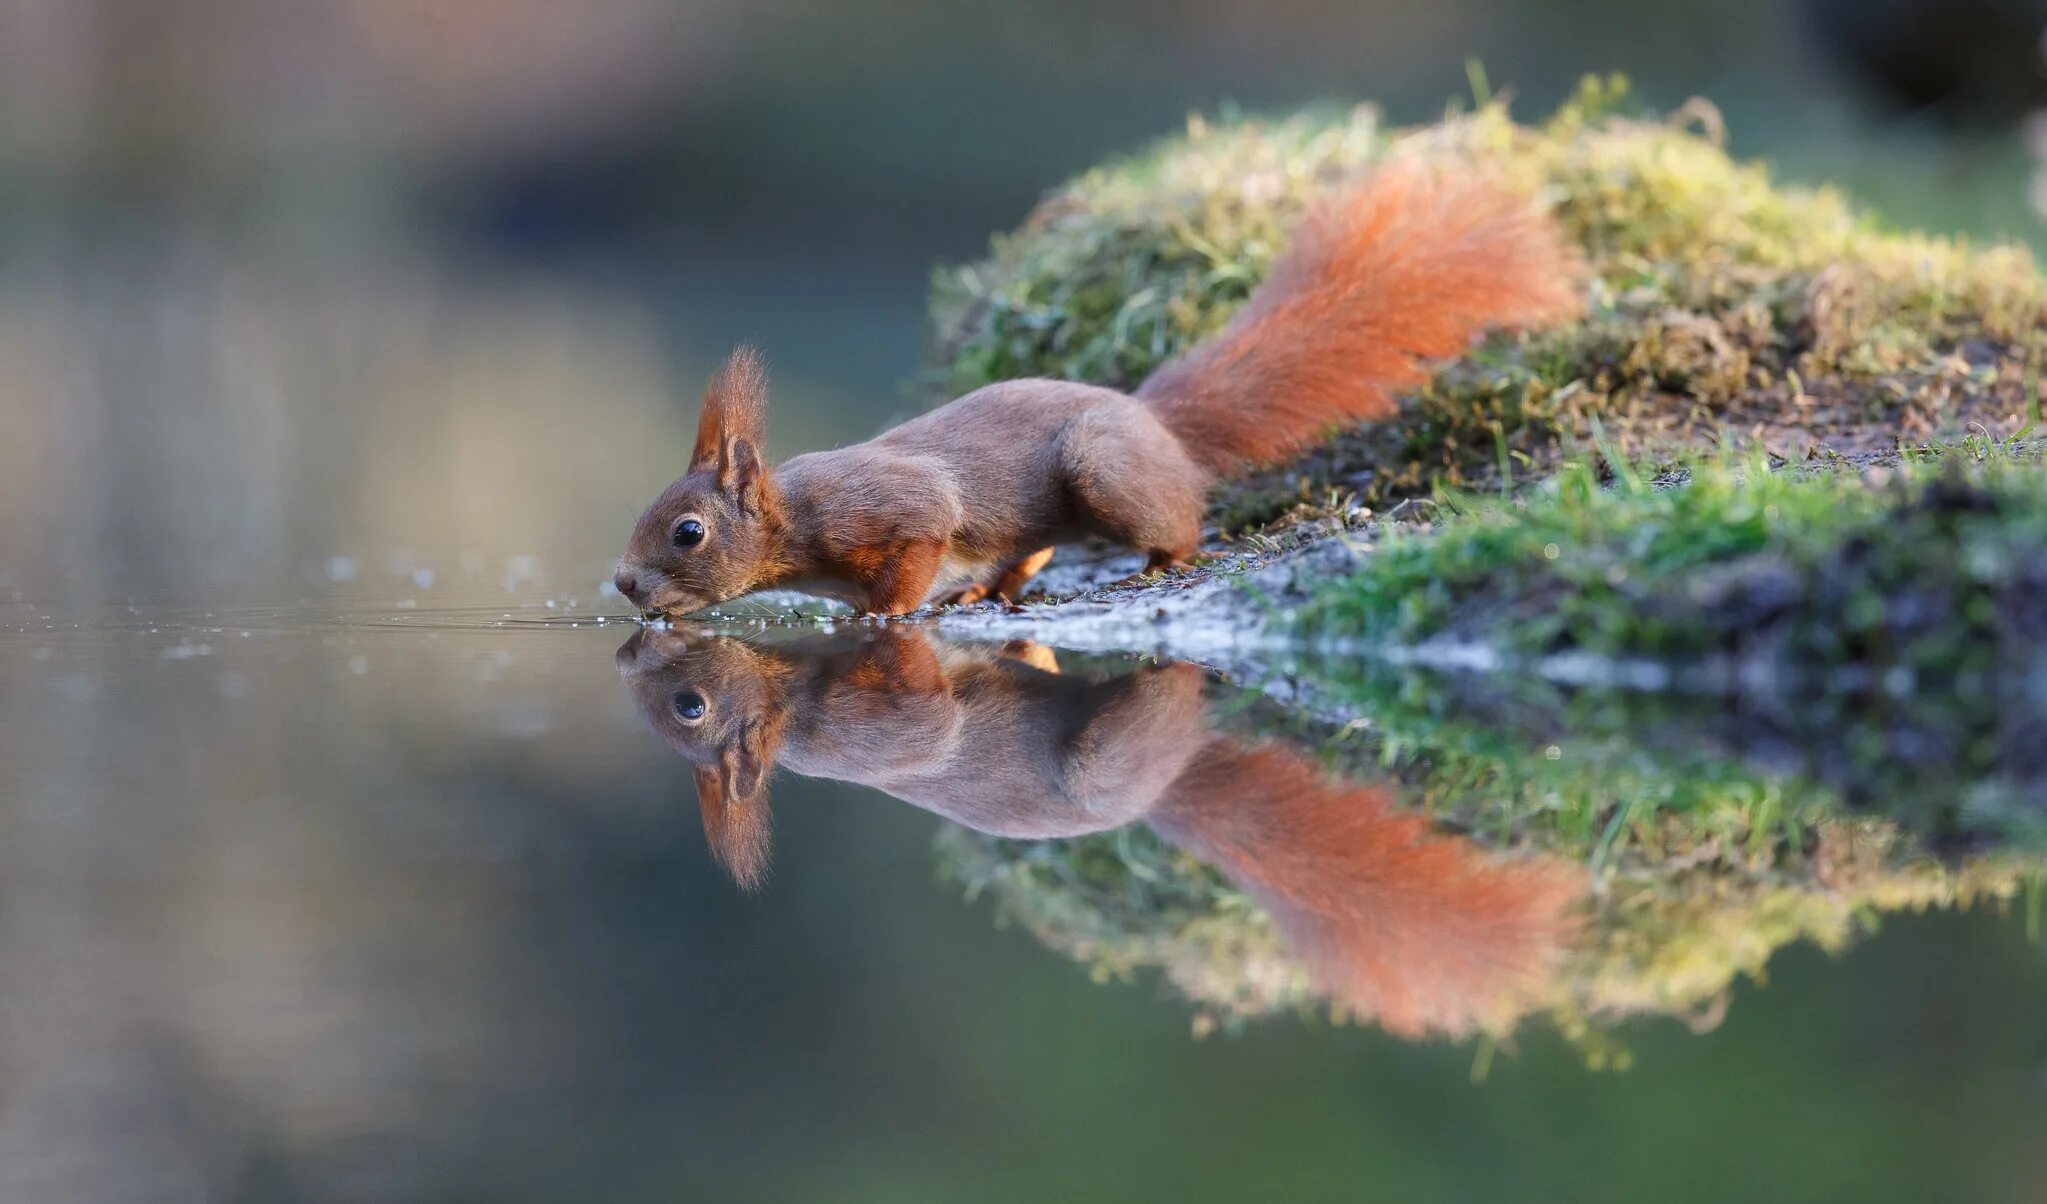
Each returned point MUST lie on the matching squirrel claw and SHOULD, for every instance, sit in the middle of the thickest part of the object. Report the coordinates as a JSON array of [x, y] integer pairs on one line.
[[1150, 574]]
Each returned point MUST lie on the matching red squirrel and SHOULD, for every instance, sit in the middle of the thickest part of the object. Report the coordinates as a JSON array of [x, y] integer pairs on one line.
[[1406, 266], [1422, 932]]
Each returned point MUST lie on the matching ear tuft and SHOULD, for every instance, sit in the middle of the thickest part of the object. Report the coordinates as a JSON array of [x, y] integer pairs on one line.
[[735, 407]]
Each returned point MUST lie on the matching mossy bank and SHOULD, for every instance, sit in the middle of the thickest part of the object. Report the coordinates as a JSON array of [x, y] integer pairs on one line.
[[1762, 541], [1722, 305], [1927, 575]]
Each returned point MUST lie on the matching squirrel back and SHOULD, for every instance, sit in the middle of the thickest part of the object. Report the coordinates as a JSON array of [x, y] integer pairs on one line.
[[1407, 266]]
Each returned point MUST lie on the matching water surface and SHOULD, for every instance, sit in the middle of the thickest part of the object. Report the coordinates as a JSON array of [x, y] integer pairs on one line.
[[353, 901]]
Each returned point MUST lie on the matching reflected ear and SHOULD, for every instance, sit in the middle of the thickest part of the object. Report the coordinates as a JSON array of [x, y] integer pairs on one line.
[[737, 823], [733, 421], [745, 767]]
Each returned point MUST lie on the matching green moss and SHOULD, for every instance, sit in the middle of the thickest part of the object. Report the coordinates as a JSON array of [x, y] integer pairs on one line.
[[1721, 301], [1125, 904], [1675, 943], [1119, 269], [1936, 570]]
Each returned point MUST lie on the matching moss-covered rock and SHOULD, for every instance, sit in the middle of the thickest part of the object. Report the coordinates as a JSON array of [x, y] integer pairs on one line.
[[1922, 581], [1726, 312], [1722, 303]]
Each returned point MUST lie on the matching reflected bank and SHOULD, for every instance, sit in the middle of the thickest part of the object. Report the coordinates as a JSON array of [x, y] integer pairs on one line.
[[1144, 816]]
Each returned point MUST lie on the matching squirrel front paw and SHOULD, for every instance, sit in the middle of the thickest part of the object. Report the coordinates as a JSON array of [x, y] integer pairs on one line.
[[965, 595]]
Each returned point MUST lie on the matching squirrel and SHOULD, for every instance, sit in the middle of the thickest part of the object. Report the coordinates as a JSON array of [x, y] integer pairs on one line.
[[1423, 932], [1381, 277]]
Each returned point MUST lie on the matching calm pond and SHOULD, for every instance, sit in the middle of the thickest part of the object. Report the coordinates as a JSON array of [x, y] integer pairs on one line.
[[353, 901]]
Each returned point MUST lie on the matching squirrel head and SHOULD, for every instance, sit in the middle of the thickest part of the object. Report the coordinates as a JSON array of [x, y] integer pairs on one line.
[[718, 531], [719, 702]]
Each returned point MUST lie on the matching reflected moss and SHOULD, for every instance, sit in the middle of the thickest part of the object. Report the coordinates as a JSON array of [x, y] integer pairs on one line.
[[1702, 868], [1126, 903], [1675, 931]]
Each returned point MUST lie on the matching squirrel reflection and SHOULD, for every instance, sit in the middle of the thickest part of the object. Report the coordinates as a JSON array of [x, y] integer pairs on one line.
[[1421, 932]]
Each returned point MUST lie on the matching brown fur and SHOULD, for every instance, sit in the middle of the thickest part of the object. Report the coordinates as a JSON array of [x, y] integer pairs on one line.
[[1406, 267], [732, 747], [1423, 933], [984, 738]]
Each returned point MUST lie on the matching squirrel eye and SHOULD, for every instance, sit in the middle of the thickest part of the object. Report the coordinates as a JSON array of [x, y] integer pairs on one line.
[[690, 705], [689, 533]]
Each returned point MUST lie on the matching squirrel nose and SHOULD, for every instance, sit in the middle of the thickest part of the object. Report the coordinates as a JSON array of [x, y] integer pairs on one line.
[[628, 654], [627, 586]]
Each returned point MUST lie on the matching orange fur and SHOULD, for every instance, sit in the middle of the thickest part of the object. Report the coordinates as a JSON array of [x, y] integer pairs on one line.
[[738, 828], [1422, 933], [734, 407], [1406, 267]]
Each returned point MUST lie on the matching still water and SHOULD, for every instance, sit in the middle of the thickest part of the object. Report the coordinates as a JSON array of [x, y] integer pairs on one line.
[[350, 901]]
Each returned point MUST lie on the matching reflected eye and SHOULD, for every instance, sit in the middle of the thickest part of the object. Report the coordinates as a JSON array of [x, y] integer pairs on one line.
[[688, 533], [690, 705]]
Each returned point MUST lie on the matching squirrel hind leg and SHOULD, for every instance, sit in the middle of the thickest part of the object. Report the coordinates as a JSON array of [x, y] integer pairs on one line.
[[1133, 483]]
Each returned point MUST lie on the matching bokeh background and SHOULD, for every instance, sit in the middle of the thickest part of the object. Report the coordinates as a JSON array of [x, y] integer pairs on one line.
[[410, 303], [288, 279]]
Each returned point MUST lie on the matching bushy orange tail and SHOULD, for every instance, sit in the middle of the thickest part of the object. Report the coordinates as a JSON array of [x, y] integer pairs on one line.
[[1422, 933], [1407, 266]]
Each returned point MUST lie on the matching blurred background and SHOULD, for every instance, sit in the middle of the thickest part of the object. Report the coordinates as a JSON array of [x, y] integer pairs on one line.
[[283, 280], [412, 302]]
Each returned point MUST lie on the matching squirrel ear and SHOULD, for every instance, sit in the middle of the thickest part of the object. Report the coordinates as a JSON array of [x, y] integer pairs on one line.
[[740, 470], [747, 766], [737, 823], [735, 405]]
